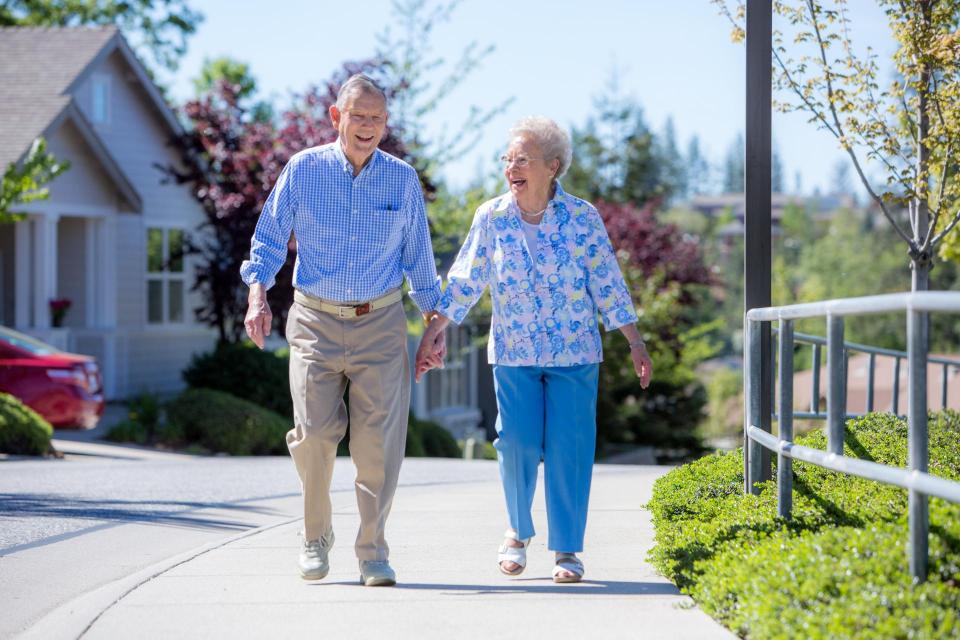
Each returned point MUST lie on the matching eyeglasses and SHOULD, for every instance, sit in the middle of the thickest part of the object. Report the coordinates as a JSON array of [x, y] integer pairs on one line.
[[522, 162]]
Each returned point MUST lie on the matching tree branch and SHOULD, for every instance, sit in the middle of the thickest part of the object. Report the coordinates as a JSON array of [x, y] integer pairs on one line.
[[839, 127]]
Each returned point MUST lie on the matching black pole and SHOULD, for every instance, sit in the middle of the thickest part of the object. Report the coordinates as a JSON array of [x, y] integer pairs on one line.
[[757, 172]]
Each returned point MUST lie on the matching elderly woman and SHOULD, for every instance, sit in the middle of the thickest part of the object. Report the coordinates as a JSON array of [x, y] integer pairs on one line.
[[550, 267]]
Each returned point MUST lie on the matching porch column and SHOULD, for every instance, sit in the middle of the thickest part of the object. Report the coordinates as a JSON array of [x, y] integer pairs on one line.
[[22, 288], [101, 266], [44, 267]]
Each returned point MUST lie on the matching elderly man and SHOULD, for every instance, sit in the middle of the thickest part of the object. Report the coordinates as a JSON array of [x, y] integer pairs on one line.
[[360, 222]]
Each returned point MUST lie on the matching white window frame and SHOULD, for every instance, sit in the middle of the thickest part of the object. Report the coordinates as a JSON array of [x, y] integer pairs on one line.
[[164, 277], [100, 86]]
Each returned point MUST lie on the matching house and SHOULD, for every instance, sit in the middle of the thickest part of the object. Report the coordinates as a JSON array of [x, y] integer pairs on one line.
[[109, 235]]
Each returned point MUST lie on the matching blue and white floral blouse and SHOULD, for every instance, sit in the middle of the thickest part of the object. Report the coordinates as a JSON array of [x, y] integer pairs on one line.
[[545, 300]]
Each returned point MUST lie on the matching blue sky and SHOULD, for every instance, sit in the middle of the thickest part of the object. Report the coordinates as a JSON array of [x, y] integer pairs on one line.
[[675, 58]]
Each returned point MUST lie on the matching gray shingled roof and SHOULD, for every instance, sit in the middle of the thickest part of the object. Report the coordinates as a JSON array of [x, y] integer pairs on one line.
[[37, 65]]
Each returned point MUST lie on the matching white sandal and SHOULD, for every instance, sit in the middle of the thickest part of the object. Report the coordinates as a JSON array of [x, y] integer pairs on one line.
[[516, 555], [568, 562]]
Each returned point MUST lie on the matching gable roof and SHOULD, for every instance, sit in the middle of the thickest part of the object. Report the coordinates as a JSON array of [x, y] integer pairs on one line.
[[40, 66]]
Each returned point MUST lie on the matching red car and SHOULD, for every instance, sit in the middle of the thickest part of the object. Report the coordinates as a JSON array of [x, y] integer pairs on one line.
[[64, 388]]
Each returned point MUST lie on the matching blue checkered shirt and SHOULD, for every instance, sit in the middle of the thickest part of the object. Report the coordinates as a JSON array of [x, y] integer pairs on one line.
[[356, 236]]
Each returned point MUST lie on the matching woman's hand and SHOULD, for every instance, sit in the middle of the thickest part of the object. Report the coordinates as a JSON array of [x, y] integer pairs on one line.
[[642, 363], [433, 347]]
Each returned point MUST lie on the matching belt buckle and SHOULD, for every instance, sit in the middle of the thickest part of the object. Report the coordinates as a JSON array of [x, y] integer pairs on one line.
[[341, 311], [362, 309]]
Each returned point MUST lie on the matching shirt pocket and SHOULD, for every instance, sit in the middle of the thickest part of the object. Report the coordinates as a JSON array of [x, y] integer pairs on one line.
[[383, 228]]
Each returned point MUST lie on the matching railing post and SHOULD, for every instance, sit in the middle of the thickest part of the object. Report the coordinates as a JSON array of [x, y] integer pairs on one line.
[[917, 439], [785, 413], [896, 386], [753, 399], [871, 380], [836, 396], [815, 396]]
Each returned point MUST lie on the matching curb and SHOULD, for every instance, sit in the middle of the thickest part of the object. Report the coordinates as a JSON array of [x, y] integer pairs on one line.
[[75, 618]]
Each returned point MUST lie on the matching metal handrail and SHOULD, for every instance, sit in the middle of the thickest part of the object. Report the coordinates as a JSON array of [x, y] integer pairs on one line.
[[915, 478], [848, 347]]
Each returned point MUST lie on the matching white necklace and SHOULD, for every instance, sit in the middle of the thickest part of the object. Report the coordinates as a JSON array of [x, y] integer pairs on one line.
[[533, 215]]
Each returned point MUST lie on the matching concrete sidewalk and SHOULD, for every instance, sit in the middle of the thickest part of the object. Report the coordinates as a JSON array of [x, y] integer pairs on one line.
[[444, 538]]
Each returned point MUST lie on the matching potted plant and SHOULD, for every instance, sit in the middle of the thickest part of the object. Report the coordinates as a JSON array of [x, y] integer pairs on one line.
[[58, 310]]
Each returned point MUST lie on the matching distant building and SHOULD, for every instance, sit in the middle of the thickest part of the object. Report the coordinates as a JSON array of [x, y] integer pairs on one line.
[[716, 206]]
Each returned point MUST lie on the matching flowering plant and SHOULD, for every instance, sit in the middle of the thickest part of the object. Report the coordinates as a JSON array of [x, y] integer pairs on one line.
[[58, 310]]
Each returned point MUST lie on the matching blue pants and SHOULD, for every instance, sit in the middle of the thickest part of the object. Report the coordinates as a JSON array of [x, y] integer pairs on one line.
[[549, 414]]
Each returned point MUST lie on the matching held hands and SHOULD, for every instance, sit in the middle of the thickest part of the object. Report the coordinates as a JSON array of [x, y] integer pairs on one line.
[[259, 318], [433, 347]]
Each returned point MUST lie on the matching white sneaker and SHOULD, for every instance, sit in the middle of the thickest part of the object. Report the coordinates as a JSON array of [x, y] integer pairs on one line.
[[314, 557], [377, 573]]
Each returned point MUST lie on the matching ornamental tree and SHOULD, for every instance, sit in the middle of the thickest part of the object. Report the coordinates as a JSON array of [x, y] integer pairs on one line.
[[910, 126]]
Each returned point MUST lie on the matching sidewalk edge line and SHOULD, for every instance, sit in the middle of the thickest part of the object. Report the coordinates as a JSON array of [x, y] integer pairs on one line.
[[84, 610]]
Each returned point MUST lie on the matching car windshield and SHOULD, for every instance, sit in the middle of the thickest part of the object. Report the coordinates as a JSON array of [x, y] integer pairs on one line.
[[26, 343]]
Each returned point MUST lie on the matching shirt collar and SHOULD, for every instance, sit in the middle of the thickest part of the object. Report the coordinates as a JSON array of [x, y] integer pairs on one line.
[[345, 163]]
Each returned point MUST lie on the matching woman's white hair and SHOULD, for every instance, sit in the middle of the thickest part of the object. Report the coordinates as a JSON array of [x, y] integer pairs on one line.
[[553, 141]]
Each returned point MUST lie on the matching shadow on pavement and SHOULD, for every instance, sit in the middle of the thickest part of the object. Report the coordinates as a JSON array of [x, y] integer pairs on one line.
[[161, 512], [536, 585]]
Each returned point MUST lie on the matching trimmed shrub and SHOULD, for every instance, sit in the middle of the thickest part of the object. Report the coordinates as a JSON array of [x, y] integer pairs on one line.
[[221, 422], [22, 430], [838, 567], [128, 431], [244, 371], [437, 441]]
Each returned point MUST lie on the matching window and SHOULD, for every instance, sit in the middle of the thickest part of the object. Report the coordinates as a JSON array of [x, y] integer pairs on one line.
[[100, 111], [165, 276]]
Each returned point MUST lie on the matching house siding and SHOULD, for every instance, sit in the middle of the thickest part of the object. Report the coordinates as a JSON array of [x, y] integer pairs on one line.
[[85, 181], [149, 358]]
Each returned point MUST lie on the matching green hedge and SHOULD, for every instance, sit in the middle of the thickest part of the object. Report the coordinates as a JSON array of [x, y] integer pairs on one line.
[[221, 422], [22, 430], [838, 568], [244, 371]]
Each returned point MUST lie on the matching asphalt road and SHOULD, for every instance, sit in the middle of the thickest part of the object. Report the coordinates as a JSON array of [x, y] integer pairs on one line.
[[45, 501]]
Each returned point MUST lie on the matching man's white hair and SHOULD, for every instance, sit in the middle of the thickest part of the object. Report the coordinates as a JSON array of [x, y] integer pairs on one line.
[[553, 141], [358, 83]]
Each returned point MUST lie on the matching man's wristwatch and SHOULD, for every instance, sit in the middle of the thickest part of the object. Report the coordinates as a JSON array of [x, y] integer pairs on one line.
[[637, 343], [428, 316]]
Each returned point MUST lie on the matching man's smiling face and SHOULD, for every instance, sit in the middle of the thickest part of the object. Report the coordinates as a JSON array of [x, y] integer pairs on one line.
[[361, 125]]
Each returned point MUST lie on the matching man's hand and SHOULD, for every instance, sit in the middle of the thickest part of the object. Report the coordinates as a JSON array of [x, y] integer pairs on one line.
[[432, 349], [642, 364], [259, 318]]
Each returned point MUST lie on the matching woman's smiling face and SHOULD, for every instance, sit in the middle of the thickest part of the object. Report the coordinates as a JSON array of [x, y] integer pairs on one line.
[[528, 175]]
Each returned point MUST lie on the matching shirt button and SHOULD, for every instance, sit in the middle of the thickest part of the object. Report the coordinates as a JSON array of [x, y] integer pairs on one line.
[[349, 290], [354, 210], [353, 237]]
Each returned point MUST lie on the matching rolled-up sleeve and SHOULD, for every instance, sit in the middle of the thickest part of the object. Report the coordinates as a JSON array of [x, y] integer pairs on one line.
[[605, 281], [268, 246], [470, 273], [418, 263]]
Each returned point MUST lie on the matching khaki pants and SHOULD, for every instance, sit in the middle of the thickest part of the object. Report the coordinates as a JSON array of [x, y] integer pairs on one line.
[[371, 353]]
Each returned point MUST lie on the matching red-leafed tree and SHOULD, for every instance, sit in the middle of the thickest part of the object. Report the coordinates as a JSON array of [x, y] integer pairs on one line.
[[654, 247], [236, 150]]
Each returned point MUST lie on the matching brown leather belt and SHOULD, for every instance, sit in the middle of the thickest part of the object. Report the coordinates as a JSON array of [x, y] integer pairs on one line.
[[348, 310]]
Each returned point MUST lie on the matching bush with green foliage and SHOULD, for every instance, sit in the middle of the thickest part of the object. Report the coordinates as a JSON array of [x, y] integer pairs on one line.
[[128, 431], [838, 567], [244, 371], [436, 441], [224, 423], [22, 430]]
